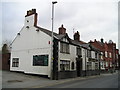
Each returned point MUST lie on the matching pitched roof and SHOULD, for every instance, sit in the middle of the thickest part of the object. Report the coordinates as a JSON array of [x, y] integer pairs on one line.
[[82, 42], [98, 45], [60, 36], [46, 31]]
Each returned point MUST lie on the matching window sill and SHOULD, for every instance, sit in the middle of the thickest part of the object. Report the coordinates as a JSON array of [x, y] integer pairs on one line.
[[65, 52], [68, 71]]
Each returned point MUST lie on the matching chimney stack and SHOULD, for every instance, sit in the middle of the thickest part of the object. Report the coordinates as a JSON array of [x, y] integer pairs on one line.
[[62, 30], [77, 36], [32, 12], [95, 40], [102, 41]]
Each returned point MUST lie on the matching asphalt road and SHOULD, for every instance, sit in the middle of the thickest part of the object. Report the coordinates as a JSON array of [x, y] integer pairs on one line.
[[102, 81]]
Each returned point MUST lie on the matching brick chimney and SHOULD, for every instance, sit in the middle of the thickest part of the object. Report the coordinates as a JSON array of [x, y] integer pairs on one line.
[[32, 12], [77, 36], [102, 41], [62, 30]]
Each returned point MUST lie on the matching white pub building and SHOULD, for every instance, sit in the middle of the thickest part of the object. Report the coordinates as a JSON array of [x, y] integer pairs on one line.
[[31, 52]]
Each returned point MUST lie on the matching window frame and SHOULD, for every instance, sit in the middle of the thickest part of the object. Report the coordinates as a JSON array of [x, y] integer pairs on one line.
[[38, 60], [64, 48], [79, 51], [96, 55], [89, 53], [96, 64], [15, 62], [89, 65], [106, 54], [110, 54], [64, 65]]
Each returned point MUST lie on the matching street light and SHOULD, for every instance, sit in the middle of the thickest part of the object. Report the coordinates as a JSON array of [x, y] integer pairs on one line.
[[54, 2]]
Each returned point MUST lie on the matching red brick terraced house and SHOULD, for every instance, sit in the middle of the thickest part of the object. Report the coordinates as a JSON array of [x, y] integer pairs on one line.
[[117, 59], [109, 54]]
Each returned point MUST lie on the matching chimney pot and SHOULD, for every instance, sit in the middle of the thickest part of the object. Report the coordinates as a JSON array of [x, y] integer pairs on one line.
[[95, 40], [30, 12]]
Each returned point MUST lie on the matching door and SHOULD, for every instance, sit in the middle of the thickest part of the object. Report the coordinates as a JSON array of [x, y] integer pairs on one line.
[[79, 66]]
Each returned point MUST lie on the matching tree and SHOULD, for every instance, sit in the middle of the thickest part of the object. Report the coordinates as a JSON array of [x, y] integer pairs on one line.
[[5, 49], [5, 46]]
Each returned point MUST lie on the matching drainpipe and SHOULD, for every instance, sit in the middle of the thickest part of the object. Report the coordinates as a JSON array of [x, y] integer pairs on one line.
[[99, 63], [85, 62]]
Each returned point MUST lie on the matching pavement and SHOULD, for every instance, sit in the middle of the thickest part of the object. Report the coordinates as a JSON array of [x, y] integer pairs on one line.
[[0, 79], [21, 80]]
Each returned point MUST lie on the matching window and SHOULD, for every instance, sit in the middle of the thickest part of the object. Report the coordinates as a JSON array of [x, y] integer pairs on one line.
[[101, 57], [116, 56], [64, 48], [64, 65], [96, 65], [101, 64], [15, 62], [106, 64], [110, 55], [72, 65], [40, 60], [89, 65], [110, 64], [105, 53], [96, 55], [88, 53], [78, 51]]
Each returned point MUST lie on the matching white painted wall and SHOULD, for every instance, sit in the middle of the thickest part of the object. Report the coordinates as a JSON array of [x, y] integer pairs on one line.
[[70, 57], [93, 54], [29, 43], [84, 58], [30, 19], [93, 65]]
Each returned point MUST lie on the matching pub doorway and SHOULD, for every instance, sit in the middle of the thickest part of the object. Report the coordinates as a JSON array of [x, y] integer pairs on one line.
[[79, 66]]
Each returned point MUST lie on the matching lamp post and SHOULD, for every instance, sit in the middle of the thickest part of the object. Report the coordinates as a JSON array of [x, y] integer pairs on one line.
[[54, 2]]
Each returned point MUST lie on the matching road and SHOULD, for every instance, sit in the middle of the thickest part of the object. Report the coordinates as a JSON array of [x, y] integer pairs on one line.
[[102, 81], [21, 80]]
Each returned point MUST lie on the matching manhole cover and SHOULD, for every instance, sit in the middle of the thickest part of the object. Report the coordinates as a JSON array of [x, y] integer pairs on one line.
[[14, 81]]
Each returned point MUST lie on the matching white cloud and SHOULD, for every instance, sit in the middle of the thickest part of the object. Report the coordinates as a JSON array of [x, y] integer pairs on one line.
[[92, 18]]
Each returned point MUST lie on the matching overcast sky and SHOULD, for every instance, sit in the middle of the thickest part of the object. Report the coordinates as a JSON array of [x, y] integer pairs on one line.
[[94, 19]]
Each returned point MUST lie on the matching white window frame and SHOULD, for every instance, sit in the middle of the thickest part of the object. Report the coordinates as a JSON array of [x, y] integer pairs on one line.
[[15, 62], [64, 65], [106, 54], [110, 55]]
